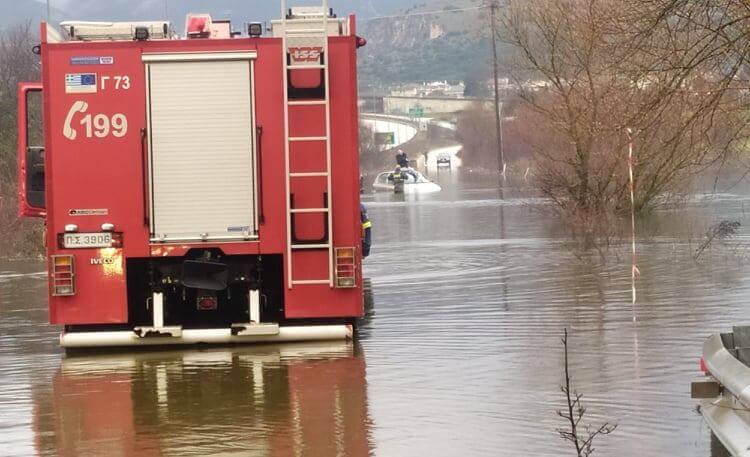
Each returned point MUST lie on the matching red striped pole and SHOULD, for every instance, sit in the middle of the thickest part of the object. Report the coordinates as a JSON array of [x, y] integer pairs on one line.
[[634, 272]]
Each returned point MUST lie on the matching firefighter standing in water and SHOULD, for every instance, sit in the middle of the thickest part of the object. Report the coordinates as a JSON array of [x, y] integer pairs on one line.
[[398, 180], [366, 231]]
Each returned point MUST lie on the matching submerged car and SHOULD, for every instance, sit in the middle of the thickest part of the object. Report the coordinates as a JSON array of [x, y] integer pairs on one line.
[[414, 182]]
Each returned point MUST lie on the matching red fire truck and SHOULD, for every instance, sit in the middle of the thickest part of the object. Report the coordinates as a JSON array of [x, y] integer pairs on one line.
[[198, 189]]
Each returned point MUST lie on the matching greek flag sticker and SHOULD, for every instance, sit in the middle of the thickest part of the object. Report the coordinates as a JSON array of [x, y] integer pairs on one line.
[[80, 83]]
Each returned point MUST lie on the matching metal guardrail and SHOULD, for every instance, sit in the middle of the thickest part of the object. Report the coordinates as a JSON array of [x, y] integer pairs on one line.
[[730, 425], [728, 415], [724, 366]]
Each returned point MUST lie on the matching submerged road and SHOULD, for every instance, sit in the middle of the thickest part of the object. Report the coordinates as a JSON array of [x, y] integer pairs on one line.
[[460, 354]]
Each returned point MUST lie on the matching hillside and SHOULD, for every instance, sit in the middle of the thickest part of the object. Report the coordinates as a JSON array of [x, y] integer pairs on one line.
[[441, 46]]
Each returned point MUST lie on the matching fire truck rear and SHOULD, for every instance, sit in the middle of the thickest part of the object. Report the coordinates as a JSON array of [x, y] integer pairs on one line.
[[201, 189]]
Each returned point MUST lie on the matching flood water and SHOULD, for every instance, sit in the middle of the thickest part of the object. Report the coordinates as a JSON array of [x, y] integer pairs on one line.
[[461, 354]]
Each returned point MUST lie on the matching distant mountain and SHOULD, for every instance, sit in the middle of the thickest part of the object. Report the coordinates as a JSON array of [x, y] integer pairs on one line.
[[415, 46], [405, 46]]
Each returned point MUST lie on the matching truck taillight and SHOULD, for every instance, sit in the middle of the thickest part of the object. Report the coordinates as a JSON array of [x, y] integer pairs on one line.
[[346, 268], [63, 276]]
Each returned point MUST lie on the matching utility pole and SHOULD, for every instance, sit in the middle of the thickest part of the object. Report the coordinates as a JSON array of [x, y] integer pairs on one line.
[[48, 12], [498, 119]]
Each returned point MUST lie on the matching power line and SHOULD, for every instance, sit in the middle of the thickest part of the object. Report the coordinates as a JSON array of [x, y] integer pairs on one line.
[[424, 13]]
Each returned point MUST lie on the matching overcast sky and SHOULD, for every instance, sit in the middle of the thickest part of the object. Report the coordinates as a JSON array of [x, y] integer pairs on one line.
[[237, 10]]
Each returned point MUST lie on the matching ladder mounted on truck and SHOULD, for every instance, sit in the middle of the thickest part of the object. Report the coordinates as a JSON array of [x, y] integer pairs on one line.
[[305, 30]]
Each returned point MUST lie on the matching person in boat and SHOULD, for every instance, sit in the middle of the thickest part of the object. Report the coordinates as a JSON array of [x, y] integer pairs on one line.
[[401, 159], [398, 178], [366, 231]]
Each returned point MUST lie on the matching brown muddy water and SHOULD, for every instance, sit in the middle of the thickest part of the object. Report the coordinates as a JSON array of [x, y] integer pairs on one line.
[[460, 354]]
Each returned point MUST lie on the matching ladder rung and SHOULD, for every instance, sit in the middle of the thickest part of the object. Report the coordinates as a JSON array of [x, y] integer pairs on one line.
[[306, 102], [308, 138], [306, 67], [308, 210], [311, 246], [306, 175], [310, 281]]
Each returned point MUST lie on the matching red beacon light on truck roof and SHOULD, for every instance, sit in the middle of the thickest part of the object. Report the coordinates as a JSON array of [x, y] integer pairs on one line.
[[198, 26], [203, 26]]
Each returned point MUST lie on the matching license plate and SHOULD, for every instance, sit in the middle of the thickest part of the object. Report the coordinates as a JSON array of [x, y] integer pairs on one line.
[[87, 240]]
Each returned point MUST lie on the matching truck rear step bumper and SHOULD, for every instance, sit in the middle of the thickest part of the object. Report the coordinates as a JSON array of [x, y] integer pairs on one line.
[[205, 336]]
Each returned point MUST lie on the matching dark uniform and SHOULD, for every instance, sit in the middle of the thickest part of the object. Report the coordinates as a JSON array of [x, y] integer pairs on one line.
[[401, 159], [366, 231], [398, 180]]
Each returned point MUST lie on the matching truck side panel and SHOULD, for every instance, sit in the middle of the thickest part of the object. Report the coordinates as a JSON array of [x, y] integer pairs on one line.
[[96, 109]]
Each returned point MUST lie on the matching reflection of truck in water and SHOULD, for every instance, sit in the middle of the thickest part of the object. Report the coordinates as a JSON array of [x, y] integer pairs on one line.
[[201, 190], [286, 400]]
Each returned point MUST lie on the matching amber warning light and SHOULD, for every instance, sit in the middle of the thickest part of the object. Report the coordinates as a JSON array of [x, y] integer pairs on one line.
[[63, 276], [345, 268]]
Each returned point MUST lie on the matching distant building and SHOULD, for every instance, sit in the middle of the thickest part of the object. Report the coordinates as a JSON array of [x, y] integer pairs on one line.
[[505, 84], [430, 89], [429, 106], [426, 99]]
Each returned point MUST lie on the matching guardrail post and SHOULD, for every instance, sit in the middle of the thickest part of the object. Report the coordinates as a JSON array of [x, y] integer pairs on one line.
[[742, 343]]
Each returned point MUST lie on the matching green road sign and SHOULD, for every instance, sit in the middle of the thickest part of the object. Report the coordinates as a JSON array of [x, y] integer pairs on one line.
[[416, 112]]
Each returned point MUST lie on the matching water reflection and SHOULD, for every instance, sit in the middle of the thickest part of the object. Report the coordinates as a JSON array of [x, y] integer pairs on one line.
[[474, 291], [265, 400], [467, 300]]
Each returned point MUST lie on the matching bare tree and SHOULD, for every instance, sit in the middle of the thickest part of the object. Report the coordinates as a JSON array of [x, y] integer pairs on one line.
[[475, 130], [17, 63], [591, 69], [580, 435]]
